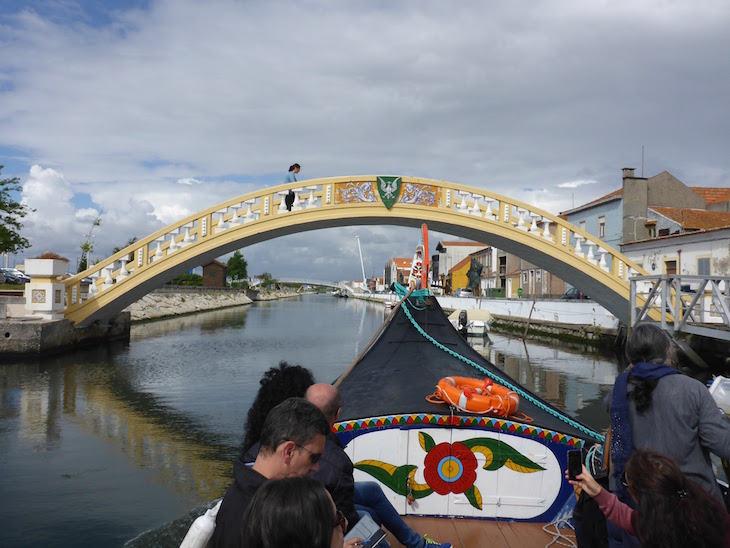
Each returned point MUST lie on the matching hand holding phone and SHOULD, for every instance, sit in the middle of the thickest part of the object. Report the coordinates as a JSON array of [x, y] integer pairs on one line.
[[575, 465]]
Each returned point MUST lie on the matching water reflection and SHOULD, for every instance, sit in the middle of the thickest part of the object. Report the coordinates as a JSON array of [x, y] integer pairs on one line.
[[123, 437], [574, 381]]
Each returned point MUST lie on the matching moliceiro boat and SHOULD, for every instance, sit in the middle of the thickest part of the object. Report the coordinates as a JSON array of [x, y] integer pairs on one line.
[[434, 459]]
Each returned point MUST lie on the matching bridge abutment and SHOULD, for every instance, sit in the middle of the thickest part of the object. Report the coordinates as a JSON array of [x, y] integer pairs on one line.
[[23, 337]]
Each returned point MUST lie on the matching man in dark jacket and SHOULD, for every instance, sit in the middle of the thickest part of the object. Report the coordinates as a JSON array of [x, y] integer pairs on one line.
[[292, 443], [336, 468]]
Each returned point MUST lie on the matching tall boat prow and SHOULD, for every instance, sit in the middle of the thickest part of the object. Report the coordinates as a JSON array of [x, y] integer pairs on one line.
[[448, 434]]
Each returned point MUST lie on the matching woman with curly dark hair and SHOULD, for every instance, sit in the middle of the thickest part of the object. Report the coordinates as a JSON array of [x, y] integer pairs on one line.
[[278, 384], [671, 509]]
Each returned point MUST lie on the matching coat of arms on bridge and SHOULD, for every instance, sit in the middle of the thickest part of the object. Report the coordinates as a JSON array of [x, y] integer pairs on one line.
[[389, 189]]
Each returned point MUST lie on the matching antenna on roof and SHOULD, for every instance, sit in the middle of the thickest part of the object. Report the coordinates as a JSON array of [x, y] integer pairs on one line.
[[642, 161]]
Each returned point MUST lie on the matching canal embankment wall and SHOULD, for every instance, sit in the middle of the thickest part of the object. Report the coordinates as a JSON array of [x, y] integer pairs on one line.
[[21, 335], [581, 321]]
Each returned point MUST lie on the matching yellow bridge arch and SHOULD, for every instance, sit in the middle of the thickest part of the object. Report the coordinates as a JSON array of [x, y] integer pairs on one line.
[[537, 236]]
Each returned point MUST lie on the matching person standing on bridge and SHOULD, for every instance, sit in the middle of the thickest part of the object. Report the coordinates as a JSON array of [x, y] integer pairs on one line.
[[655, 407], [291, 177]]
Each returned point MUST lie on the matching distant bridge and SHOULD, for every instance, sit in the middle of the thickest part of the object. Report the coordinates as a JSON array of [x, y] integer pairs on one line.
[[519, 228]]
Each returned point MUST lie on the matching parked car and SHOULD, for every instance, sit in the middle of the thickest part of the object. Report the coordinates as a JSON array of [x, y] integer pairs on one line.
[[463, 292], [10, 277], [18, 274], [574, 293]]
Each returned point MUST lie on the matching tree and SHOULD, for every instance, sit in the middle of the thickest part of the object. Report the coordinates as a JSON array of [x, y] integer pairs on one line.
[[88, 246], [130, 242], [237, 267], [11, 212]]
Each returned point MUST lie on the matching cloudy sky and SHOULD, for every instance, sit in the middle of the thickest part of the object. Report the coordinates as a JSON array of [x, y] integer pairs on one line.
[[147, 111]]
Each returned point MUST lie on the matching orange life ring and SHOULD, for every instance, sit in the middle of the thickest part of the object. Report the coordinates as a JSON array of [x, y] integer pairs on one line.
[[480, 396]]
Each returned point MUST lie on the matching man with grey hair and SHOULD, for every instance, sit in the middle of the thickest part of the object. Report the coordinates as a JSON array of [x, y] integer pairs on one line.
[[292, 443]]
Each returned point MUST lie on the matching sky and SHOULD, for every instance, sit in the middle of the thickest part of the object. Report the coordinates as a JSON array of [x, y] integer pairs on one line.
[[146, 111]]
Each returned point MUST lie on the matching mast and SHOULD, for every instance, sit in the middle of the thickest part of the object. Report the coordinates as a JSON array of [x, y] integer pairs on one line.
[[364, 281]]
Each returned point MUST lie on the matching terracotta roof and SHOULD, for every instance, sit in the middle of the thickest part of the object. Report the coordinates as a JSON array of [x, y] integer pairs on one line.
[[460, 264], [615, 195], [401, 262], [712, 195], [694, 219]]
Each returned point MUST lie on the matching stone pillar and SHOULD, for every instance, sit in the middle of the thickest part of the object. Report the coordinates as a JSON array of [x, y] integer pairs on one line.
[[45, 297]]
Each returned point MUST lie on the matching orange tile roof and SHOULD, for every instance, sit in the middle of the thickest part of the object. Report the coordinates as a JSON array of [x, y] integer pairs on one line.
[[460, 264], [401, 262], [695, 219], [712, 195]]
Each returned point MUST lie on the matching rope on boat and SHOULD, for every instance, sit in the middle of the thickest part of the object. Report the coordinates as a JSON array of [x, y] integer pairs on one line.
[[402, 291]]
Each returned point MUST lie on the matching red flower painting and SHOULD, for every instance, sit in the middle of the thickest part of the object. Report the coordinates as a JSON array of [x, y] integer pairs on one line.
[[450, 468]]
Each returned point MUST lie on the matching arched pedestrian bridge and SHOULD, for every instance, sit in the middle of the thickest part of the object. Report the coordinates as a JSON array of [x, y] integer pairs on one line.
[[543, 239]]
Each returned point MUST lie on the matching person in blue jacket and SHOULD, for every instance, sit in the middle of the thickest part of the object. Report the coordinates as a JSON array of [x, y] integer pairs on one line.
[[291, 177]]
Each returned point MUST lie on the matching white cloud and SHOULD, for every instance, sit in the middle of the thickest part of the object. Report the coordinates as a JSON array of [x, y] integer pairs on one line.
[[166, 108], [576, 184]]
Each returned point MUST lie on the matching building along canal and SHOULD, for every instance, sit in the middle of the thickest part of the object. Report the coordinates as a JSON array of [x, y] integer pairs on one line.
[[100, 445]]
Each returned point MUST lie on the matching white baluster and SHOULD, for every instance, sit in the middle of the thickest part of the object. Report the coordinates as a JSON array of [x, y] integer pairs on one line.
[[282, 204], [221, 223], [462, 207], [174, 246], [312, 201], [591, 258], [108, 282], [602, 263], [489, 214], [475, 208], [546, 229], [533, 227], [234, 220], [158, 252], [93, 290], [521, 223], [578, 250], [297, 205], [123, 273], [248, 216], [187, 240]]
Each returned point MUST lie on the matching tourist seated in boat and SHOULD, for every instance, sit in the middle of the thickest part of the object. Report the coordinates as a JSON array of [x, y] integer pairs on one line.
[[655, 407], [277, 384], [671, 509], [336, 472], [294, 512], [292, 442]]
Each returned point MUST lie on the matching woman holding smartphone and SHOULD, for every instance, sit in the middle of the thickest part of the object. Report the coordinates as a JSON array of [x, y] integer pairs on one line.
[[672, 511]]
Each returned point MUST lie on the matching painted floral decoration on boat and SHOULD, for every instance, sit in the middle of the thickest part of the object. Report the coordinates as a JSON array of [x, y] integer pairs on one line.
[[449, 468]]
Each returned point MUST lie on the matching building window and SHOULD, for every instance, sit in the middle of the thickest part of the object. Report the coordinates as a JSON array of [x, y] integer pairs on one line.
[[524, 277], [671, 267], [538, 275], [703, 266], [582, 226], [602, 227], [651, 229]]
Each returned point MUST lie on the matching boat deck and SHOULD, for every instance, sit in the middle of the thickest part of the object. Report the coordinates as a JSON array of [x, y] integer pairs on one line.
[[467, 533]]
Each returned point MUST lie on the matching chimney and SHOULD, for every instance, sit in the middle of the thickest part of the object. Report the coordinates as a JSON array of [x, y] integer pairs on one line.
[[627, 173]]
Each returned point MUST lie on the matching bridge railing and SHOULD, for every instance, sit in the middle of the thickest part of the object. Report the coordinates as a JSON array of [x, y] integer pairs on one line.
[[268, 206], [691, 304]]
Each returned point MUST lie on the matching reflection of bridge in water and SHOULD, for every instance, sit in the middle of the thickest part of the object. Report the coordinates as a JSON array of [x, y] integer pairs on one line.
[[178, 450]]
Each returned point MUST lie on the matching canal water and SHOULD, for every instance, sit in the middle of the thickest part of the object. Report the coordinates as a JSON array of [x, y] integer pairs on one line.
[[101, 445]]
